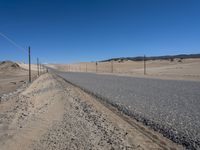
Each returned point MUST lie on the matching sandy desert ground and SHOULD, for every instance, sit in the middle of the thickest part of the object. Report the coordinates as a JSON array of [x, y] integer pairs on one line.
[[44, 116], [52, 114], [12, 76], [34, 67], [186, 69]]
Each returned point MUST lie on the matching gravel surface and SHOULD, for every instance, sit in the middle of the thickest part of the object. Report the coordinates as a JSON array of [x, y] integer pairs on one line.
[[54, 115], [82, 127], [168, 106]]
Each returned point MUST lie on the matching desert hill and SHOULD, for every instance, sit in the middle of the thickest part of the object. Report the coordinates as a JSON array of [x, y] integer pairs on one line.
[[9, 65], [166, 57]]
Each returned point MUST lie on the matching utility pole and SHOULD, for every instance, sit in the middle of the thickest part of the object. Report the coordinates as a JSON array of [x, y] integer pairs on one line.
[[29, 56], [144, 65], [38, 66]]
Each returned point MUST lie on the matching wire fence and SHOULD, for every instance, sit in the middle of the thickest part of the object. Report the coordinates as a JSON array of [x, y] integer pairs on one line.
[[142, 67], [29, 56], [105, 67], [169, 68]]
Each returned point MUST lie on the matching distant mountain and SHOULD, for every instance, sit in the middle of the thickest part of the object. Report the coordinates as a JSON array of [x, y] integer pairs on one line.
[[166, 57]]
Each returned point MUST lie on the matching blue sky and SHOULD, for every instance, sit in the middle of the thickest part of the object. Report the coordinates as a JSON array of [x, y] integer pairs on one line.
[[66, 31]]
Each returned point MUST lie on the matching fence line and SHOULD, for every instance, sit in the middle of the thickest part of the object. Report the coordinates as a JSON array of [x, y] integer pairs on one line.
[[108, 67], [26, 51]]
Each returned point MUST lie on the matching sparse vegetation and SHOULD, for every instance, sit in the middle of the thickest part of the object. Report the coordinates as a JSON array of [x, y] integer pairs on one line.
[[167, 57]]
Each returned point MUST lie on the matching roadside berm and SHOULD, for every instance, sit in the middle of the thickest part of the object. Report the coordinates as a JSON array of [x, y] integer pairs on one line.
[[53, 114]]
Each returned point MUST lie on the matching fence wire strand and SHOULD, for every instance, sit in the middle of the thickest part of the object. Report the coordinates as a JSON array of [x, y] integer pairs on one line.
[[13, 42]]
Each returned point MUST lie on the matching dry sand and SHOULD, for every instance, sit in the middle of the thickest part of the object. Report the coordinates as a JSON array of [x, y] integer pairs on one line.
[[52, 114], [34, 67], [12, 76], [186, 69]]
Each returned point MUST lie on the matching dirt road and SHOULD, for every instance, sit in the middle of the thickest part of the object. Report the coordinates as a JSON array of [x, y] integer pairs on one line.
[[168, 106], [52, 114], [186, 69]]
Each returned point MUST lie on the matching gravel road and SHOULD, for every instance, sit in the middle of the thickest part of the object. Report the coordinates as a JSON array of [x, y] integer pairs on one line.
[[53, 114], [168, 106]]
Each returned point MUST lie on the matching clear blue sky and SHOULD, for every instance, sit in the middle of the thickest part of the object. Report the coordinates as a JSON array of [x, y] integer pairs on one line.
[[63, 31]]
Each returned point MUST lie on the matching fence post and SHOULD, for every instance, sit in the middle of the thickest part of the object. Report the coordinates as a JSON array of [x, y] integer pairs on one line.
[[29, 56], [111, 66], [96, 67], [144, 65], [40, 69], [38, 66]]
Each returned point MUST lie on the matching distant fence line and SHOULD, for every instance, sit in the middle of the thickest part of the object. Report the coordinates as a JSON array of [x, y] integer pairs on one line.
[[105, 67], [120, 66]]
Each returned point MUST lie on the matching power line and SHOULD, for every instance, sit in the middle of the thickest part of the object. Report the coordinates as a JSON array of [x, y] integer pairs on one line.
[[13, 42]]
